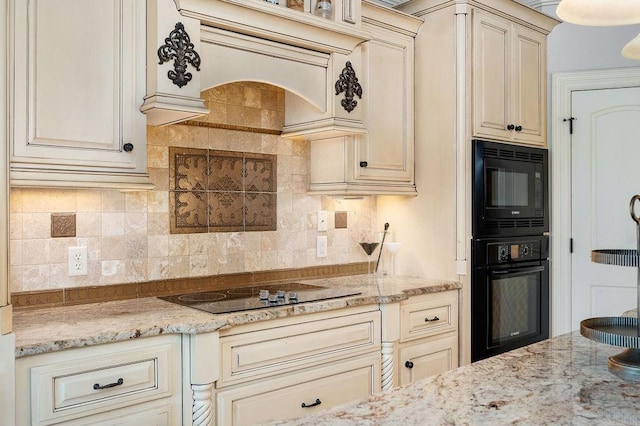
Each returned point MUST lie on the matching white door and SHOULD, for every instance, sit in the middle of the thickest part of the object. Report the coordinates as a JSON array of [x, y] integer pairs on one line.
[[605, 175]]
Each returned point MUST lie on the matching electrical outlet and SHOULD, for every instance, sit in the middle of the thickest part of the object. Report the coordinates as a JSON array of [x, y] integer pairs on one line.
[[321, 246], [77, 261], [322, 220]]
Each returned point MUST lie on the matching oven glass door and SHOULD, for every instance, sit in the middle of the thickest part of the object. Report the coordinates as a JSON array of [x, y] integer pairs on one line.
[[514, 304], [510, 308]]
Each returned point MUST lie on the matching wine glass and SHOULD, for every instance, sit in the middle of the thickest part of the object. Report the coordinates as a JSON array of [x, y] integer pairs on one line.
[[369, 248], [393, 248]]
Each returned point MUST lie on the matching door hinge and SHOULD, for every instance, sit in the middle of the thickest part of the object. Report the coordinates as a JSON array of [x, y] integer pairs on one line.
[[570, 120], [570, 245]]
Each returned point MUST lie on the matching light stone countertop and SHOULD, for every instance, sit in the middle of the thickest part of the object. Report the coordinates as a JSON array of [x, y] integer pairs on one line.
[[52, 329], [561, 381]]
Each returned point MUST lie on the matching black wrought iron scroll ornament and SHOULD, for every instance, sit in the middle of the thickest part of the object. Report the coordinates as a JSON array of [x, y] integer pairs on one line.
[[178, 47], [348, 83]]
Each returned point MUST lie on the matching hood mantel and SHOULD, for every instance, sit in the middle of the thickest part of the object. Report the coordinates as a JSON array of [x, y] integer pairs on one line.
[[254, 40], [280, 24]]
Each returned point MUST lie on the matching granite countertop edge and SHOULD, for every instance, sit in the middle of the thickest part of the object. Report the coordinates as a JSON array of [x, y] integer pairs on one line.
[[46, 330]]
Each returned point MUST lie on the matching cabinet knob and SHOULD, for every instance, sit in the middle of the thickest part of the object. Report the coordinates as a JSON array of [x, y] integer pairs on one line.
[[408, 364], [518, 128], [363, 164], [128, 147], [432, 319], [511, 127]]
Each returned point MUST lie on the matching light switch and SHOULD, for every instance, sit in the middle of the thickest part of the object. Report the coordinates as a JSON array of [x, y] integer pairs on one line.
[[322, 220]]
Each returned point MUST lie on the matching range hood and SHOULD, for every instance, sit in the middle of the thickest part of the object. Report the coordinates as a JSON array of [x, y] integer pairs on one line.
[[254, 40]]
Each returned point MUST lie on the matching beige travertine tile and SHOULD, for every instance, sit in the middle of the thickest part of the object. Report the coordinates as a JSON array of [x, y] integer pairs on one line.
[[89, 201], [158, 223], [36, 225], [158, 157], [198, 265], [135, 201], [136, 270], [178, 135], [112, 224], [158, 268], [135, 224], [15, 278], [136, 247], [36, 200], [198, 244], [244, 116], [158, 135], [113, 248], [59, 250], [198, 137], [160, 178], [178, 266], [15, 254], [178, 245], [15, 226], [112, 201], [113, 271], [88, 224], [35, 277], [15, 200], [38, 252], [158, 202], [63, 200], [252, 97], [158, 245]]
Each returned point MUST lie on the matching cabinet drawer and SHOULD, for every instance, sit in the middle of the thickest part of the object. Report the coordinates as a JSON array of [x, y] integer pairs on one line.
[[97, 379], [262, 353], [279, 399], [429, 315]]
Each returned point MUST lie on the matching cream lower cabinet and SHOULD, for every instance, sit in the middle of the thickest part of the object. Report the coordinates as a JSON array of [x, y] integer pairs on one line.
[[295, 366], [379, 161], [76, 87], [126, 383], [420, 338]]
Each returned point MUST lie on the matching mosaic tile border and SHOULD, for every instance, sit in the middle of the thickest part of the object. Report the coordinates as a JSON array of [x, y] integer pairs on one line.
[[95, 294], [232, 127]]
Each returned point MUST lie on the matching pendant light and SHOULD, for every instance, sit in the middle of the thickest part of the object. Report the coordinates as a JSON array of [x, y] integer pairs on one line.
[[631, 50], [601, 13]]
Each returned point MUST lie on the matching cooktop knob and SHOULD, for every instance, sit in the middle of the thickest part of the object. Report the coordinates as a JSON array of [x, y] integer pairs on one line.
[[273, 298], [293, 296], [264, 294], [280, 294]]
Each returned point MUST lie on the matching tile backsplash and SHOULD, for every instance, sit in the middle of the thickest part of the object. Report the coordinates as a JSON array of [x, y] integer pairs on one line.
[[128, 234]]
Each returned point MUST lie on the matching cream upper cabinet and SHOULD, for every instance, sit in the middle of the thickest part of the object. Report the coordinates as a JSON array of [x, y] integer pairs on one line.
[[509, 80], [75, 89], [380, 161]]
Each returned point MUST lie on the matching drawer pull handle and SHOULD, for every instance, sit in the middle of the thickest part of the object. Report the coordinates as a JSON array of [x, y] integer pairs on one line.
[[110, 385], [408, 364], [318, 402], [432, 319]]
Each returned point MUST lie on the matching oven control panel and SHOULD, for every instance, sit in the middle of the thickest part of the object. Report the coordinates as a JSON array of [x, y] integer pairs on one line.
[[513, 252]]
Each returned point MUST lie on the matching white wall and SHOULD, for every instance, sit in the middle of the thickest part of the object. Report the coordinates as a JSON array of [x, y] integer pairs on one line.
[[576, 47]]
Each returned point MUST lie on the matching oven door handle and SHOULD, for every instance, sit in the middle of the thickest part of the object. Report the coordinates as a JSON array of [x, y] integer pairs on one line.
[[517, 270]]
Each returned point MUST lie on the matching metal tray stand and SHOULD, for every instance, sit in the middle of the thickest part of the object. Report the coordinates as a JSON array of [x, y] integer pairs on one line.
[[619, 331]]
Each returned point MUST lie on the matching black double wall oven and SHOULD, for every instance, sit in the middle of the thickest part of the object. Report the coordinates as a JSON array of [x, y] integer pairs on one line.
[[510, 248]]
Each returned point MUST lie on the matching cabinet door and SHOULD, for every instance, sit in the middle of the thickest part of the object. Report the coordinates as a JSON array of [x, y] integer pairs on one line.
[[529, 78], [427, 358], [77, 85], [387, 148], [491, 76], [509, 81]]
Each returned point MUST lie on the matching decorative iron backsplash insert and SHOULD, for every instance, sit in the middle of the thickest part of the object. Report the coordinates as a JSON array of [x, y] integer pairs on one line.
[[221, 191]]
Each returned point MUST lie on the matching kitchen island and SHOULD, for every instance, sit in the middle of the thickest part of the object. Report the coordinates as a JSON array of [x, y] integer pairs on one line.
[[560, 381]]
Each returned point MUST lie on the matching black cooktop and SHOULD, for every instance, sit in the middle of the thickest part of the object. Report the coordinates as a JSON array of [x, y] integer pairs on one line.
[[258, 297]]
